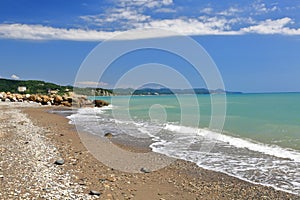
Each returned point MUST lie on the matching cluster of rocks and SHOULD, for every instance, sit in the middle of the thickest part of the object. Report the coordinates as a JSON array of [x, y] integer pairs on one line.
[[69, 99]]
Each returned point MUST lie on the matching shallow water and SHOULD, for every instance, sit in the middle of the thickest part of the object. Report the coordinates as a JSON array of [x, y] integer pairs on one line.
[[260, 141]]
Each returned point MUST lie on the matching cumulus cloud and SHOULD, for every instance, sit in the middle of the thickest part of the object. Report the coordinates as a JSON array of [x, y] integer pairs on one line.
[[193, 26], [40, 32], [165, 10], [120, 15], [201, 26], [261, 8], [230, 11], [145, 3], [207, 10], [269, 26], [15, 77]]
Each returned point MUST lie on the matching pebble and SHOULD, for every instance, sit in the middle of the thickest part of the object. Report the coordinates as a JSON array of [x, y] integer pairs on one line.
[[145, 170], [59, 162], [108, 135], [30, 155], [94, 192]]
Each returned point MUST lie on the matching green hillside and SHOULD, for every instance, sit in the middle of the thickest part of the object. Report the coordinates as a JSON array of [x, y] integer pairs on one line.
[[42, 87], [32, 86]]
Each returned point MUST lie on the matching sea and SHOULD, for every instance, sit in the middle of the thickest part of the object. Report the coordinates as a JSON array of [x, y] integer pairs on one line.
[[259, 141]]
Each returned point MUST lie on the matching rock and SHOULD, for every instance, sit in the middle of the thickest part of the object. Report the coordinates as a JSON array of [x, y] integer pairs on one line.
[[38, 99], [58, 99], [94, 192], [66, 103], [100, 103], [19, 97], [65, 97], [32, 97], [45, 99], [108, 135], [69, 99], [59, 162], [145, 170]]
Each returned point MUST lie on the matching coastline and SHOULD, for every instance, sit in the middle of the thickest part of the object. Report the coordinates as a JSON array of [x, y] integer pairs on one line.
[[180, 180]]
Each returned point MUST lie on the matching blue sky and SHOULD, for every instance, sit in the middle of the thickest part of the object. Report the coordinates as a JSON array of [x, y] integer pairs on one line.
[[255, 44]]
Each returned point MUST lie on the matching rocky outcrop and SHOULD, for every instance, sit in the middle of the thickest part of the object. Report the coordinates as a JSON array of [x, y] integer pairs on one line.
[[100, 103], [69, 99]]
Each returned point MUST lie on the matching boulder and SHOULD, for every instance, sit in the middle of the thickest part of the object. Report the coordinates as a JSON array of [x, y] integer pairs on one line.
[[38, 99], [100, 103], [13, 99], [69, 99], [66, 103], [58, 99], [65, 97], [45, 99], [32, 97], [19, 97]]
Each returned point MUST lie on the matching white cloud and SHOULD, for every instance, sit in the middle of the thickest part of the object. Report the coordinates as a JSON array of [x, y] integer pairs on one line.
[[194, 26], [201, 26], [261, 8], [15, 77], [269, 26], [116, 15], [165, 10], [145, 3], [39, 32], [230, 11], [207, 10]]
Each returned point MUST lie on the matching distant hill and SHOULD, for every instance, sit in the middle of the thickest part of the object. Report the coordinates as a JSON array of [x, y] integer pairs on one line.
[[167, 91], [32, 86], [42, 87]]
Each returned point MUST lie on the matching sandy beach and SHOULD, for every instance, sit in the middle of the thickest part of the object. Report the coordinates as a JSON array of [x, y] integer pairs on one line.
[[32, 139]]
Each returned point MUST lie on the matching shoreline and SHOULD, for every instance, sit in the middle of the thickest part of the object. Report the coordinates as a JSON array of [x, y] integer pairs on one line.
[[179, 180]]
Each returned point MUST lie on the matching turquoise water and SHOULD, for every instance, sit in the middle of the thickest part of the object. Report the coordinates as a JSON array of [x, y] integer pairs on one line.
[[266, 118], [259, 143]]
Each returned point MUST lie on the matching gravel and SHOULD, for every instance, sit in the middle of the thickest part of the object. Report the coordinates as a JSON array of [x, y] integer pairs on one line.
[[26, 160]]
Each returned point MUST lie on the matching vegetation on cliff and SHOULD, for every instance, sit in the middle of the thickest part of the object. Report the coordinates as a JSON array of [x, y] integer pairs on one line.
[[42, 87]]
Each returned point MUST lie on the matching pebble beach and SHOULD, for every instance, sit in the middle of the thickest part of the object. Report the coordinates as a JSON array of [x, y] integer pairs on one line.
[[42, 157]]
